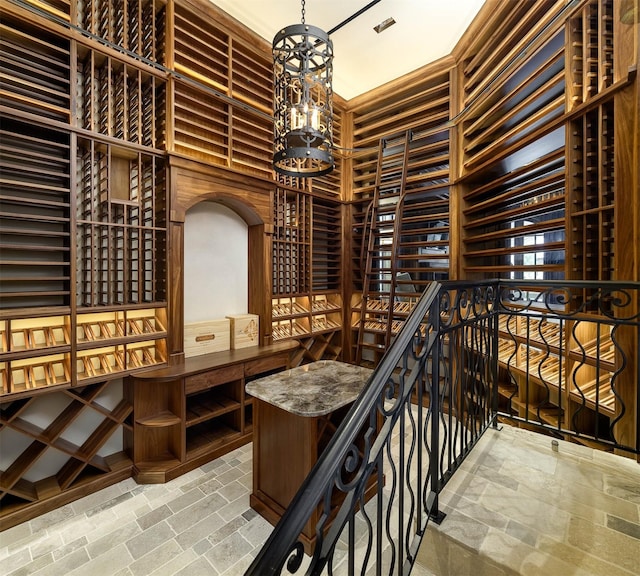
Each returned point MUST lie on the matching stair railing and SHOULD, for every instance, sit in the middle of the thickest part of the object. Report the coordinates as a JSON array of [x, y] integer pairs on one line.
[[377, 482]]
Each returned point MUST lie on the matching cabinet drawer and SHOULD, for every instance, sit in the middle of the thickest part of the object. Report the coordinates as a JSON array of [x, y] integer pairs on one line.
[[265, 364], [212, 378]]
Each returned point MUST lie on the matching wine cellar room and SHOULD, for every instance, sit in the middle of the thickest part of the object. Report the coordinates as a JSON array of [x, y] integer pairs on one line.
[[154, 263]]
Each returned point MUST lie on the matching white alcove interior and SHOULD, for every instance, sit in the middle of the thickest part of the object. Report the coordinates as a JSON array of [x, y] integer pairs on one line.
[[216, 263]]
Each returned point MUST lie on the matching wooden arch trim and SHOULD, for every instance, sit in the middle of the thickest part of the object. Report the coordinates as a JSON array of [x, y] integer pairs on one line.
[[192, 182], [252, 199]]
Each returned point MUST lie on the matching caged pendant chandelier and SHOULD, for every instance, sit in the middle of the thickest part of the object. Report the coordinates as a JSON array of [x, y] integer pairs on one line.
[[302, 101]]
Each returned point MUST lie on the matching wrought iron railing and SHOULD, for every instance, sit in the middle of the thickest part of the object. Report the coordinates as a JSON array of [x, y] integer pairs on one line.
[[561, 357], [568, 359]]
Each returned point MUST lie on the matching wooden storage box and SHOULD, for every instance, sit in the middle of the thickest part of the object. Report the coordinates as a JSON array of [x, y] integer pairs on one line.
[[245, 330], [206, 337]]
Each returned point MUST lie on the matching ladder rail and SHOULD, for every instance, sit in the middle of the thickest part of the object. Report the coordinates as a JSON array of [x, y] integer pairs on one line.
[[391, 170], [369, 229], [397, 224]]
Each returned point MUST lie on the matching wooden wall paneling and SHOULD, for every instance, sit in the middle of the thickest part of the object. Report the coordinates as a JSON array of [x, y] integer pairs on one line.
[[175, 292], [193, 182]]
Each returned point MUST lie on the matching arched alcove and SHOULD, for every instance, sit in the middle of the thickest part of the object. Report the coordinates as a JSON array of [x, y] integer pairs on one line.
[[216, 267], [241, 204]]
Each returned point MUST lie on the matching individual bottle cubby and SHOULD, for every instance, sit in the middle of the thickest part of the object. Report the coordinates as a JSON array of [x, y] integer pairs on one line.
[[35, 70], [35, 353], [590, 51], [117, 341], [135, 25], [291, 328], [119, 100]]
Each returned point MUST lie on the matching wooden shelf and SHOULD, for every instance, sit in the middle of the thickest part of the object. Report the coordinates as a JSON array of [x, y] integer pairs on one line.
[[160, 420], [208, 407], [82, 462], [191, 412], [204, 438]]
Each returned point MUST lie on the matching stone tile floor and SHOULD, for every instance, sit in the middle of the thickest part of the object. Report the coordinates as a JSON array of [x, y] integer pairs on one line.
[[518, 507], [515, 507]]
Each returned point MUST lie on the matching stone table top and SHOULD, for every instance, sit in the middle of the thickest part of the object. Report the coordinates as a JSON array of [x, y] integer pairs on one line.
[[314, 389]]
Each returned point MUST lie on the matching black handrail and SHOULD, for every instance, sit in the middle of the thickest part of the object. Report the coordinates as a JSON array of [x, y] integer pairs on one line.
[[283, 542]]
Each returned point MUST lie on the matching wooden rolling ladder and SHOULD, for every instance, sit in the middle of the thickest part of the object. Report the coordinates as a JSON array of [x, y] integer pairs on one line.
[[382, 227]]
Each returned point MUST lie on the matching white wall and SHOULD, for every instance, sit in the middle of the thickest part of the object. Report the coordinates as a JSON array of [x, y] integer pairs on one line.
[[216, 263]]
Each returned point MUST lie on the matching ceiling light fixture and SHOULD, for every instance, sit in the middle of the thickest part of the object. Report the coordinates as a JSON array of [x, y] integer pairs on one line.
[[302, 101], [384, 24]]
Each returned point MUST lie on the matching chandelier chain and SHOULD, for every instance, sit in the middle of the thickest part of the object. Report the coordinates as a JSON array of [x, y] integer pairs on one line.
[[303, 11]]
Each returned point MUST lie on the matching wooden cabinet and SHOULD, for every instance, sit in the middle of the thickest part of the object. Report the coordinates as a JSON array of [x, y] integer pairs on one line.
[[197, 410]]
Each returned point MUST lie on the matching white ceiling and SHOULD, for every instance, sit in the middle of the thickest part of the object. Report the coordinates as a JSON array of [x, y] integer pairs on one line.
[[425, 30]]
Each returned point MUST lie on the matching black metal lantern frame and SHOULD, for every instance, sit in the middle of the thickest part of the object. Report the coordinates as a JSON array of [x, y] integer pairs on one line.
[[302, 103]]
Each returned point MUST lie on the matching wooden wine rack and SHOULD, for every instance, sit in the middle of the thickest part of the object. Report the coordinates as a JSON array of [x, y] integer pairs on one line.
[[291, 243], [36, 71], [215, 85], [120, 100], [34, 216], [591, 51], [79, 463], [83, 215], [121, 223], [326, 246], [570, 363], [592, 182], [135, 25]]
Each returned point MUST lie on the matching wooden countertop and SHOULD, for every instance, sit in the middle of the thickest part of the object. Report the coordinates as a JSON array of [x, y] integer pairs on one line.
[[206, 362]]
